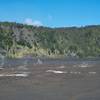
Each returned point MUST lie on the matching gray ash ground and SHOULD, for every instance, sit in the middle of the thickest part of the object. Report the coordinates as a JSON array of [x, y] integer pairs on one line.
[[50, 79]]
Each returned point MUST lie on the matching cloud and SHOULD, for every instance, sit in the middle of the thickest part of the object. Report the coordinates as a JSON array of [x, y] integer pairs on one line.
[[29, 21]]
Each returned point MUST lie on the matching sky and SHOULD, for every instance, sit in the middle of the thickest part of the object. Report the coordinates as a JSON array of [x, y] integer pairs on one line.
[[51, 13]]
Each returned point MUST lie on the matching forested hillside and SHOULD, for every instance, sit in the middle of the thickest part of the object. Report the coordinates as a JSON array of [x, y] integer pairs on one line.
[[18, 40]]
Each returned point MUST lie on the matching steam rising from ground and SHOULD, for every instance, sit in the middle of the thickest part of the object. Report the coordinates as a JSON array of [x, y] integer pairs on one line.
[[14, 75], [56, 71]]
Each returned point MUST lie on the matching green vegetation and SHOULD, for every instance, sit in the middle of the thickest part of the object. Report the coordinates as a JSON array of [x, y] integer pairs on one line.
[[18, 40]]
